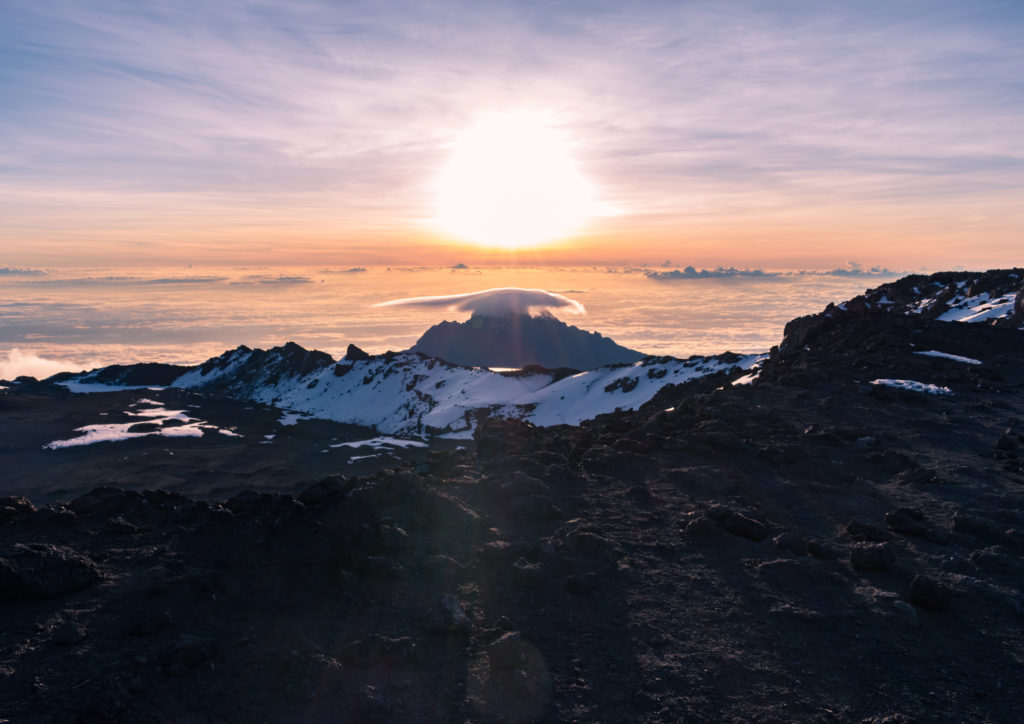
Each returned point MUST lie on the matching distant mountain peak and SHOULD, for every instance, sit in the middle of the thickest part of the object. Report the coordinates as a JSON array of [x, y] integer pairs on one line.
[[515, 339]]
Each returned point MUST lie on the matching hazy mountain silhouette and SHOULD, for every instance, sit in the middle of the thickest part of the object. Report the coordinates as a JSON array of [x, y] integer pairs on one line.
[[517, 340]]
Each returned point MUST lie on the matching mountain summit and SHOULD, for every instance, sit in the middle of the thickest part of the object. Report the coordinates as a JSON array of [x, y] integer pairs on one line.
[[517, 340]]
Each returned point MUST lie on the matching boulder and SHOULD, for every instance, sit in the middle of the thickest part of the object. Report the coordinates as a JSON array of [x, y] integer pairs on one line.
[[906, 522], [105, 500], [738, 524], [44, 570], [872, 556], [510, 651], [446, 615], [70, 633], [534, 507], [15, 507], [930, 594]]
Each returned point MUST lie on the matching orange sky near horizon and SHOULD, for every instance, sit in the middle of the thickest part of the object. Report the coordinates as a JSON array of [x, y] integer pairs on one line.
[[759, 135], [814, 238]]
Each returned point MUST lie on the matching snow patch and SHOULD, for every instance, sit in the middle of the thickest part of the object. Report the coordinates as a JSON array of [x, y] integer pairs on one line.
[[747, 379], [946, 355], [979, 308], [291, 418], [380, 443], [914, 386], [157, 417]]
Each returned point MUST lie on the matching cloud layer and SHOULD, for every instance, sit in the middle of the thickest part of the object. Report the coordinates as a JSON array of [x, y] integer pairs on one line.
[[495, 302], [16, 362], [852, 269]]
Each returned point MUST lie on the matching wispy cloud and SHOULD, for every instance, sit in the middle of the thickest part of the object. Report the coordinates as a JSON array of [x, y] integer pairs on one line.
[[494, 302], [718, 273], [318, 115], [15, 272], [271, 279]]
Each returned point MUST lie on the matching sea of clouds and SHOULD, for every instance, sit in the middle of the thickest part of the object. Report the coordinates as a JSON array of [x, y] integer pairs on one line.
[[72, 320]]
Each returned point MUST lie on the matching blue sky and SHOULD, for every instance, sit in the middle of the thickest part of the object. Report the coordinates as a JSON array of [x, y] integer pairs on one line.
[[753, 133]]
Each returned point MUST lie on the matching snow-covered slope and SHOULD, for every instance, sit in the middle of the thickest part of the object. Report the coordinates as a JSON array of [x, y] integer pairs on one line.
[[409, 393], [992, 297]]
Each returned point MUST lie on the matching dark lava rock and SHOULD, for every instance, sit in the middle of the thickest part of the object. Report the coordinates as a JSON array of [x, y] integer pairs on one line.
[[640, 494], [930, 594], [43, 570], [398, 651], [791, 542], [496, 436], [863, 532], [70, 633], [872, 556], [250, 502], [1006, 441], [437, 511], [145, 427], [187, 654], [354, 354], [503, 550], [511, 484], [326, 491], [364, 653], [15, 507], [534, 507], [54, 517], [702, 528], [510, 651], [738, 524], [906, 522], [104, 500], [373, 705], [580, 584], [120, 526], [526, 574], [978, 527], [306, 674], [446, 615], [149, 622], [587, 552]]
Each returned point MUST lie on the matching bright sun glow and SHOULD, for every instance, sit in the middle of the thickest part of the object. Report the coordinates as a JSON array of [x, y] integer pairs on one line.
[[511, 182]]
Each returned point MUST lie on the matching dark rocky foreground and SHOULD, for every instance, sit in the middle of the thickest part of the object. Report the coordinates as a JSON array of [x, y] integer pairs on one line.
[[810, 547]]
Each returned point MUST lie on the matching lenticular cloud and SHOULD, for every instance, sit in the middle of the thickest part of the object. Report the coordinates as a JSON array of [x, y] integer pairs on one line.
[[495, 302]]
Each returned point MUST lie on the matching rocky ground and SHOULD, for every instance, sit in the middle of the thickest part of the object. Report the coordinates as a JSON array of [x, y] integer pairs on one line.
[[257, 450], [809, 547]]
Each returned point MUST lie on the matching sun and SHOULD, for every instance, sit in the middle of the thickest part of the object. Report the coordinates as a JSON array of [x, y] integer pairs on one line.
[[511, 182]]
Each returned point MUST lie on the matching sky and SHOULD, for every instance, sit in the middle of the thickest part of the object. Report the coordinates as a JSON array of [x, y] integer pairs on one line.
[[768, 134]]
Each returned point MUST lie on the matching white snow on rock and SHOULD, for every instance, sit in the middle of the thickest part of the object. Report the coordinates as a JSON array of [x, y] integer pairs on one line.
[[979, 308], [154, 414], [291, 417], [914, 386], [382, 443], [410, 394], [747, 379], [946, 355]]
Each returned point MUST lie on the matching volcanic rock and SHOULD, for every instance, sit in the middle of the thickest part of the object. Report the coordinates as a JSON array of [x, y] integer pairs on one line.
[[43, 570], [872, 556], [930, 594]]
